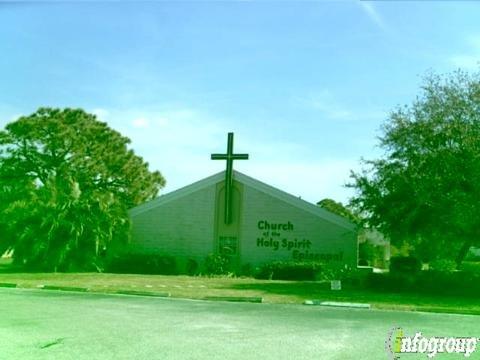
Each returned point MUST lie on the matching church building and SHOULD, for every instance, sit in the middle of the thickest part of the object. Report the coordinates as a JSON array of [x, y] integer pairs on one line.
[[248, 221]]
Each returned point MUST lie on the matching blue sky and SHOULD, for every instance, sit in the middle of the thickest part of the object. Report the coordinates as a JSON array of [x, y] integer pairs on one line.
[[305, 86]]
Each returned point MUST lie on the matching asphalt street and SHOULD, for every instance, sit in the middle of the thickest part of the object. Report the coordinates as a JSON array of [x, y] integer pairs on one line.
[[42, 324]]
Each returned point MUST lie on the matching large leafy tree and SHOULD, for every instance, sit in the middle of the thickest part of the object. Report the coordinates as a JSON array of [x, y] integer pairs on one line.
[[66, 183], [339, 209], [425, 191]]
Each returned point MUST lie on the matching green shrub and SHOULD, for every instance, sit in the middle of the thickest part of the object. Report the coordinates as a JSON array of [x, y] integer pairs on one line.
[[443, 265], [473, 256], [216, 264], [373, 255], [389, 282], [247, 270], [362, 262], [192, 267], [449, 283], [457, 283], [334, 271], [405, 264], [365, 253], [289, 270], [471, 267], [136, 262]]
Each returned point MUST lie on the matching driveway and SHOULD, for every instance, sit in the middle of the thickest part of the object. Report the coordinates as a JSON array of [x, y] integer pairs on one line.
[[41, 324]]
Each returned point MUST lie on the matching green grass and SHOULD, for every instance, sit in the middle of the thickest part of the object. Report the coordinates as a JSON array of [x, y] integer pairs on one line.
[[271, 291], [5, 262]]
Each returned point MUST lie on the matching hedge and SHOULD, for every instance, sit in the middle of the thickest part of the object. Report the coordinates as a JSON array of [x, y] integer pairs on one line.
[[407, 264], [427, 282], [141, 263], [289, 270]]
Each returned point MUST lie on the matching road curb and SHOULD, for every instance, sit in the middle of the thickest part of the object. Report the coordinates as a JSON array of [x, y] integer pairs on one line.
[[337, 304], [235, 299], [63, 288], [143, 293]]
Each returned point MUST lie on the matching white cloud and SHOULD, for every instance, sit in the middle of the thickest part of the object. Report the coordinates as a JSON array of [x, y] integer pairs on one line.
[[140, 123], [7, 117], [15, 117], [179, 143], [324, 102], [469, 60], [102, 114], [331, 108], [161, 121], [176, 141], [373, 14], [310, 181]]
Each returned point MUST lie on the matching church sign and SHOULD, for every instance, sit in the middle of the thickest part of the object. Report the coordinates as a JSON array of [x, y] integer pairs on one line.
[[235, 215], [273, 238]]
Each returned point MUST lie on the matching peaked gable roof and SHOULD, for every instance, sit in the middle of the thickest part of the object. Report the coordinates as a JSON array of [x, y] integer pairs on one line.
[[249, 181], [176, 194]]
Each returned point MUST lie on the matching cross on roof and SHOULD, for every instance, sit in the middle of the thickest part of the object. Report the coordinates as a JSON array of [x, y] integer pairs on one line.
[[229, 156]]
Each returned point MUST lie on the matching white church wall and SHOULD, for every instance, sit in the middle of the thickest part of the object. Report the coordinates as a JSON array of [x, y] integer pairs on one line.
[[272, 226], [300, 235], [182, 228]]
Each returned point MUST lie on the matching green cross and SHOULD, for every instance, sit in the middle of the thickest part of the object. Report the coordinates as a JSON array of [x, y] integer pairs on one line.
[[229, 156]]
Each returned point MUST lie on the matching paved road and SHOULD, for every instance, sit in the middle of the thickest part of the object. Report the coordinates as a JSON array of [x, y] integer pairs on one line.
[[41, 324]]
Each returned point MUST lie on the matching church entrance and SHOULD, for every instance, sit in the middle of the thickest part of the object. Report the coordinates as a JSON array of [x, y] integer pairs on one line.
[[228, 206], [227, 236]]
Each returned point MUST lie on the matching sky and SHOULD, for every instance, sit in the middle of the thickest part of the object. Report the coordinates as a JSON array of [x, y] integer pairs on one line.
[[304, 85]]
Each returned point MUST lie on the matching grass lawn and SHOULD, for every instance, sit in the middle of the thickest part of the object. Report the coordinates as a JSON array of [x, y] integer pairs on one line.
[[271, 291]]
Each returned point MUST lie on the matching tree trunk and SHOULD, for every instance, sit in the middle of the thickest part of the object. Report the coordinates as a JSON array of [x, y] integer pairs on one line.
[[463, 252]]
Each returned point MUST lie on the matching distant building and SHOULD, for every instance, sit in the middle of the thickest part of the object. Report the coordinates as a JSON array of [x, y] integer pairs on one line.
[[374, 248]]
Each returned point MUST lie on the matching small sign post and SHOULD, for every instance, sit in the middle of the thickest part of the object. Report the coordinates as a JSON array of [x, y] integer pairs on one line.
[[336, 285]]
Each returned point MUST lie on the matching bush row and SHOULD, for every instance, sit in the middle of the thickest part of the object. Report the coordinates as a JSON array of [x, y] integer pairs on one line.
[[141, 263], [405, 275], [431, 282], [287, 270], [135, 262], [471, 267], [407, 264]]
